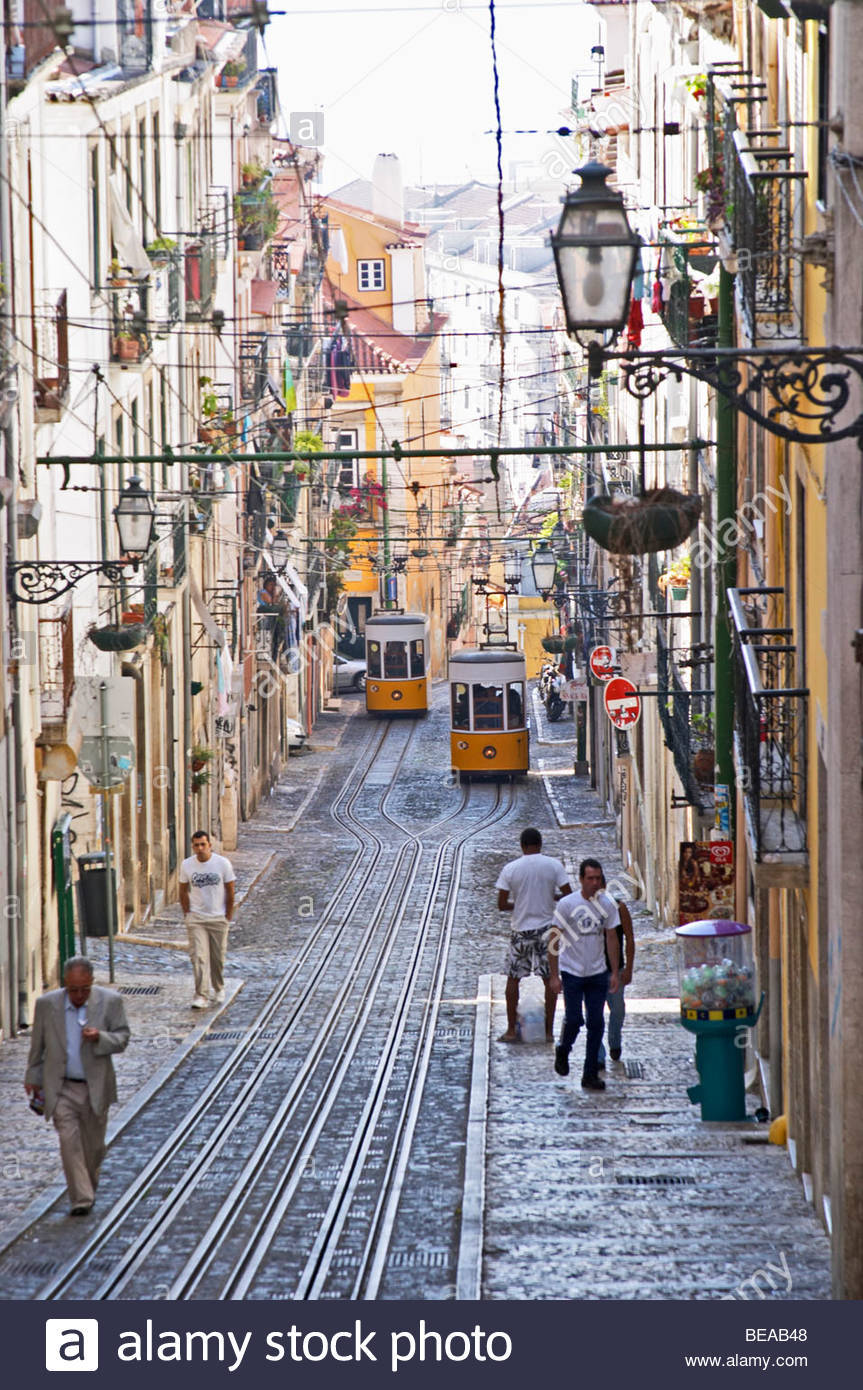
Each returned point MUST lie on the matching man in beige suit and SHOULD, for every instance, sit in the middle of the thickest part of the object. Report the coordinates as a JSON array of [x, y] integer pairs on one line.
[[75, 1030]]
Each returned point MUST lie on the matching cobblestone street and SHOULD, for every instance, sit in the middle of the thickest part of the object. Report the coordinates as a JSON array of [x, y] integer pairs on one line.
[[310, 1137]]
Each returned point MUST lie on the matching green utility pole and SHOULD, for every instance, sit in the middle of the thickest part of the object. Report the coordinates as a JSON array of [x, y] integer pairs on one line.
[[726, 564], [385, 526]]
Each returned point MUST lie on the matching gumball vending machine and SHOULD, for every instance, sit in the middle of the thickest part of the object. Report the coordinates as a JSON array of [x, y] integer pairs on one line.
[[717, 1004]]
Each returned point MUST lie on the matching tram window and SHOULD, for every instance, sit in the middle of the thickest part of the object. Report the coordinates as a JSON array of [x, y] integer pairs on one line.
[[396, 661], [460, 714], [515, 705], [418, 660], [373, 660], [488, 706]]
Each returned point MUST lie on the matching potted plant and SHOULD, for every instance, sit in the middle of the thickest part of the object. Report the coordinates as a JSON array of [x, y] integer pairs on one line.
[[676, 577], [161, 249], [117, 638], [133, 614], [711, 182], [127, 347], [199, 756], [252, 172], [199, 780], [117, 274], [232, 72]]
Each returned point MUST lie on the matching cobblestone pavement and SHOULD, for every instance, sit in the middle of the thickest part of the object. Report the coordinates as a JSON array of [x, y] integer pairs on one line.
[[561, 1219]]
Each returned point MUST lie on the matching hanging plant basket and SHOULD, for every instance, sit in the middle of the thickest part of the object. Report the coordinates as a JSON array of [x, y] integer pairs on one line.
[[118, 639], [657, 520], [554, 644]]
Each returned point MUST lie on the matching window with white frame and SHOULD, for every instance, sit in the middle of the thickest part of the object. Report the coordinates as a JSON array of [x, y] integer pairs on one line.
[[349, 469], [371, 275]]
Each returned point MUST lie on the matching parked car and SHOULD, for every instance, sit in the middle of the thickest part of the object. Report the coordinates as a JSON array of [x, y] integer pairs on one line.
[[350, 673]]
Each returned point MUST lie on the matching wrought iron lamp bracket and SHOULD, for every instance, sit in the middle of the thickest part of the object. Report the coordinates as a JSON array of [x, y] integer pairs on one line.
[[813, 387], [43, 581]]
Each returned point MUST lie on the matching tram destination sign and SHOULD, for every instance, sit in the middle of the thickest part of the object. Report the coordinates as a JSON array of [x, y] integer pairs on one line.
[[622, 703]]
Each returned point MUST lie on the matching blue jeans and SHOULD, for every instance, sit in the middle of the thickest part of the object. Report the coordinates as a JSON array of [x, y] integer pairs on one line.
[[592, 989], [616, 1015]]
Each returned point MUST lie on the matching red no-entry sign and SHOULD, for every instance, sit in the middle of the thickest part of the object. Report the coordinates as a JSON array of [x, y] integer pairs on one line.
[[622, 703], [601, 663]]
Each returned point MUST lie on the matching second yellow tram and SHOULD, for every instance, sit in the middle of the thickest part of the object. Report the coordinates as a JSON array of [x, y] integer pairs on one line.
[[488, 711], [397, 663]]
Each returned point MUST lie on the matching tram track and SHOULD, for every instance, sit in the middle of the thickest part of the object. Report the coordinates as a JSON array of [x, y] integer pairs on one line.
[[241, 1252], [206, 1103]]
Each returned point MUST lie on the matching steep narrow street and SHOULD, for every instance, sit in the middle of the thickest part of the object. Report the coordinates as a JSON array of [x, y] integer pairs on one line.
[[320, 1138]]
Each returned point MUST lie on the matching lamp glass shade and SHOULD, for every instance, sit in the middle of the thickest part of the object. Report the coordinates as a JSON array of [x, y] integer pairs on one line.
[[544, 567], [134, 515], [279, 550], [595, 251], [512, 570]]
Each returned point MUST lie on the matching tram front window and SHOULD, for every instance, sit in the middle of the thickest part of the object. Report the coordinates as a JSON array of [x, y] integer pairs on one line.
[[396, 661], [373, 660], [488, 707], [515, 705], [460, 713], [418, 659]]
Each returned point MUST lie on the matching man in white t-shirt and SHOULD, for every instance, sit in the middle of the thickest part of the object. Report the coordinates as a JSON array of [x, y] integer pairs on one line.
[[207, 899], [585, 923], [529, 888]]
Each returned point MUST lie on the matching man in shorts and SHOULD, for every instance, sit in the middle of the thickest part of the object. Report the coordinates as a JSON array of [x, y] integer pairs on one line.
[[529, 888]]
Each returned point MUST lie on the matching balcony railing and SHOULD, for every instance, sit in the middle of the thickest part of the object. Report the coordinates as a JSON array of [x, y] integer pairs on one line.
[[690, 319], [171, 548], [130, 321], [51, 333], [253, 366], [268, 98], [771, 714], [166, 294], [679, 710], [200, 274], [218, 220]]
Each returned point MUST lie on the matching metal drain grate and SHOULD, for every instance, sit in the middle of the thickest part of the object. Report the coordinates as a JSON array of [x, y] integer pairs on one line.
[[635, 1071], [140, 989], [237, 1034], [654, 1180]]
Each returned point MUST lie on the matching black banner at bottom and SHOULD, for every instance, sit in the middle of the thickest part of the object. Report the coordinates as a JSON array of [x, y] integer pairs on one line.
[[420, 1344]]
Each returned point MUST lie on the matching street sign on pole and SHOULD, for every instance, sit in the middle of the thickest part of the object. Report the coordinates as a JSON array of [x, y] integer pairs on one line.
[[107, 717], [601, 663], [622, 703]]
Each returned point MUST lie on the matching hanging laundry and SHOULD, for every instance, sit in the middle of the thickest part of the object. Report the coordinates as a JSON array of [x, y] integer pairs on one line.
[[639, 282], [635, 324], [338, 362], [289, 390]]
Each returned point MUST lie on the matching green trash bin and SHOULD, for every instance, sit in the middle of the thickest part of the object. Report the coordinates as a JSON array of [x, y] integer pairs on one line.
[[717, 1004]]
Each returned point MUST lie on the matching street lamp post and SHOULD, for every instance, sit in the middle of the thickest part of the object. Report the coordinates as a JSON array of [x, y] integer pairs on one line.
[[43, 581]]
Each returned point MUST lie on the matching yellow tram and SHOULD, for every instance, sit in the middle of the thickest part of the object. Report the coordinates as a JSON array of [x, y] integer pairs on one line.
[[397, 663], [488, 732]]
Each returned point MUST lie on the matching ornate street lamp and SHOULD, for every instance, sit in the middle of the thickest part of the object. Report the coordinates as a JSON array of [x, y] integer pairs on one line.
[[43, 581], [135, 517], [544, 567], [512, 572], [595, 252], [279, 552]]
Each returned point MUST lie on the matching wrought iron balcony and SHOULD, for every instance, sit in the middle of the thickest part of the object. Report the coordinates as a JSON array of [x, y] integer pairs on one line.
[[690, 319], [253, 366], [166, 294], [771, 714], [130, 321], [268, 97], [56, 676], [51, 332], [686, 719]]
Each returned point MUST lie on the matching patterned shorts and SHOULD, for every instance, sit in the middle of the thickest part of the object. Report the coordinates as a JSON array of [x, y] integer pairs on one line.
[[528, 954]]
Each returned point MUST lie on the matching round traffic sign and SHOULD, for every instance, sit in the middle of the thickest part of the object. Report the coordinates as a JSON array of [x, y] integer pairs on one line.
[[622, 703], [601, 662]]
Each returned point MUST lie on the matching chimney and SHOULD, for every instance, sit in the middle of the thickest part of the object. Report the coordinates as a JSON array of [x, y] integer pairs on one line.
[[387, 191]]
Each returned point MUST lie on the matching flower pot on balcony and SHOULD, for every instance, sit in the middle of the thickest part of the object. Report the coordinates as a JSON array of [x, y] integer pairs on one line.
[[703, 764], [679, 591], [696, 307], [132, 617], [127, 349], [118, 639], [657, 520]]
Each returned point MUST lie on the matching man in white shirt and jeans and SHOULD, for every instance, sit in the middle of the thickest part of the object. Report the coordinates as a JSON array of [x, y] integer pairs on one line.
[[529, 888], [207, 899], [585, 929]]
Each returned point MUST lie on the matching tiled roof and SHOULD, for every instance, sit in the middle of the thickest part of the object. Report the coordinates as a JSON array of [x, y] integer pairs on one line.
[[377, 346]]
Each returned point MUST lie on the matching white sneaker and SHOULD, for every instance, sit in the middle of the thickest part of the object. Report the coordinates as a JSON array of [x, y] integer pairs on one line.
[[219, 996], [199, 1002]]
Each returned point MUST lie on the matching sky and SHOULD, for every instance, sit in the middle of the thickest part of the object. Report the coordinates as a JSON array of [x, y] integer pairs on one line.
[[414, 78]]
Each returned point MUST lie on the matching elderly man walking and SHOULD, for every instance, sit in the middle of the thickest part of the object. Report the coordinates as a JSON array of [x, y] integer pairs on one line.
[[207, 899], [70, 1072]]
